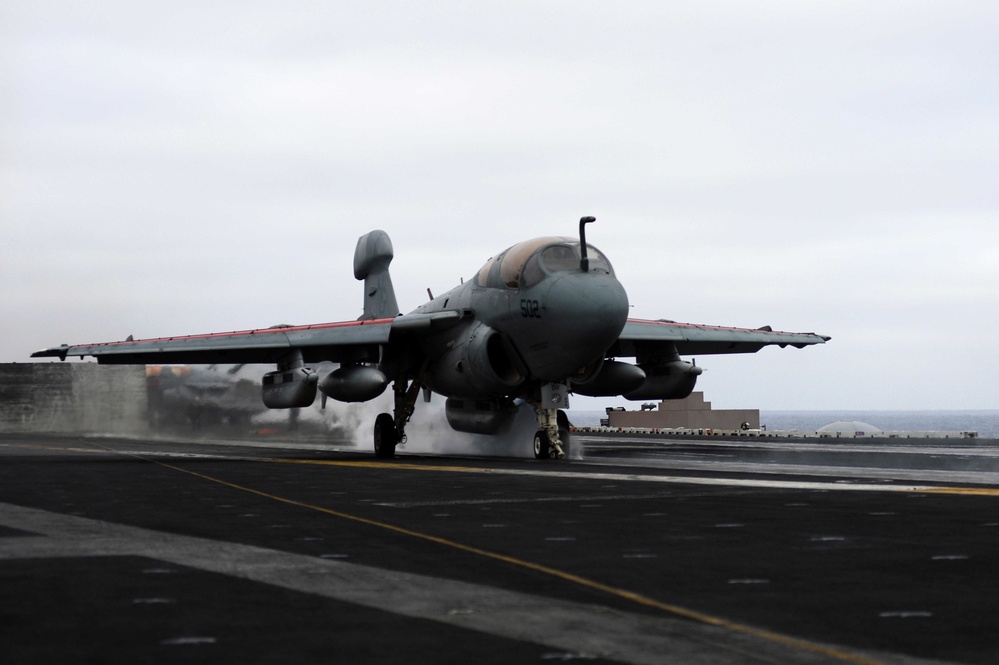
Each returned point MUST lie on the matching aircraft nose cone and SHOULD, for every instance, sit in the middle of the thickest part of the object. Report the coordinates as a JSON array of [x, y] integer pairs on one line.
[[585, 314]]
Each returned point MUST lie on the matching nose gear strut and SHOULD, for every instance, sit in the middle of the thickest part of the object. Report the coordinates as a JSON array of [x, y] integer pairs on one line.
[[548, 441]]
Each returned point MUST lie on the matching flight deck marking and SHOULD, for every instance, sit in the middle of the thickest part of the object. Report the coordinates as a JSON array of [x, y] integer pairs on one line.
[[532, 500], [967, 491], [678, 480], [632, 596], [570, 577]]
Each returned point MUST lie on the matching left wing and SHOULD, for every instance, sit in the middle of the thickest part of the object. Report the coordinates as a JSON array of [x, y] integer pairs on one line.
[[323, 341], [695, 339]]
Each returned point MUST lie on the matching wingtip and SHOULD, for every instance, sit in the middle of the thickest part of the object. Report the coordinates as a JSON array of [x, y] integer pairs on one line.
[[58, 352]]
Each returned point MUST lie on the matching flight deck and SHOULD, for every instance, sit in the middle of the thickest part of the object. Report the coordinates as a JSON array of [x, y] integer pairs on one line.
[[636, 550]]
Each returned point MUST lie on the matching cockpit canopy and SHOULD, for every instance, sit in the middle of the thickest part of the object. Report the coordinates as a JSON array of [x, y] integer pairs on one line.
[[525, 264]]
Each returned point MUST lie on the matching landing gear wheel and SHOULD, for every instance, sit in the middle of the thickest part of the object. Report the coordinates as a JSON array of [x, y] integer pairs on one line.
[[542, 447], [386, 436]]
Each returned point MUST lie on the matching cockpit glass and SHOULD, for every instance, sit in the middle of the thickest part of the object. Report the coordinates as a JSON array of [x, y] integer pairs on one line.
[[526, 264], [532, 272], [598, 262], [482, 278], [513, 260], [560, 258]]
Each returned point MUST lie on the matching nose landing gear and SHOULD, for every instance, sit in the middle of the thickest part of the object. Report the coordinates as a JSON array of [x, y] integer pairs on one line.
[[543, 446], [552, 440]]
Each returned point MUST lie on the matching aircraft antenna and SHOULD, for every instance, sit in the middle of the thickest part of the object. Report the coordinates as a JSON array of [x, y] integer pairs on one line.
[[584, 261]]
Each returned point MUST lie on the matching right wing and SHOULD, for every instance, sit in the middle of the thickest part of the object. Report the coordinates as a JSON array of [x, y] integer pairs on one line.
[[697, 339], [335, 342]]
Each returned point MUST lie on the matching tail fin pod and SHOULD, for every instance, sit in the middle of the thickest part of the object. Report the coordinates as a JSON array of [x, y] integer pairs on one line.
[[371, 262]]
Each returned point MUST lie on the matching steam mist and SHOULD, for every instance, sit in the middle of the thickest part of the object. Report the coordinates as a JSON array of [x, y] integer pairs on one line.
[[429, 434], [86, 398]]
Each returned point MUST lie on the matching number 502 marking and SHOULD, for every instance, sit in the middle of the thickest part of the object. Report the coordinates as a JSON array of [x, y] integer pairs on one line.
[[530, 309]]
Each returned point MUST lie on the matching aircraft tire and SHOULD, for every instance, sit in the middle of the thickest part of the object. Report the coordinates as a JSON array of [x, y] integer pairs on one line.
[[563, 434], [563, 431], [386, 436], [541, 445]]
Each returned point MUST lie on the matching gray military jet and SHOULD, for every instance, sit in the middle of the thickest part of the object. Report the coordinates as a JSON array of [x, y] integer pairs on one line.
[[542, 319]]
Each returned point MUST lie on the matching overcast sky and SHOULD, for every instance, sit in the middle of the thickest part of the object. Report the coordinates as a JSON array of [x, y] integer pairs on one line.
[[189, 167]]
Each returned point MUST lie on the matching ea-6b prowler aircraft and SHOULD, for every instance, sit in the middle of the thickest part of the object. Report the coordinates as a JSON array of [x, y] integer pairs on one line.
[[542, 319]]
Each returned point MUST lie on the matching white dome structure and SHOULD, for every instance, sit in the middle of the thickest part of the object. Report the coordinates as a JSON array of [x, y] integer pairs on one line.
[[854, 427]]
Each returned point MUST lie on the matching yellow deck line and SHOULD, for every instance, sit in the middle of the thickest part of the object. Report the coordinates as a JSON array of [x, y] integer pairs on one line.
[[677, 610]]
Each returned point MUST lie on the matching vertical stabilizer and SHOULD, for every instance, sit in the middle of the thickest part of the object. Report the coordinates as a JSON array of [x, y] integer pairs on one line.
[[371, 262]]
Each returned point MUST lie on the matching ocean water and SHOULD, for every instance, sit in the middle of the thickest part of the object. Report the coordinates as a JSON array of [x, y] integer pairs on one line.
[[986, 423]]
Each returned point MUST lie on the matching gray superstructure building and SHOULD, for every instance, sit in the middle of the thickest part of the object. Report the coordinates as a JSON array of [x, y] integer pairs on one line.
[[689, 413]]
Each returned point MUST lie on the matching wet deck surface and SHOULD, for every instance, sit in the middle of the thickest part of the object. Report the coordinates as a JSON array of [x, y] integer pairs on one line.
[[642, 551]]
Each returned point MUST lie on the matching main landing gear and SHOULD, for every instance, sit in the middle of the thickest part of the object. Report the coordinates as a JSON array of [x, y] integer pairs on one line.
[[390, 428], [386, 436]]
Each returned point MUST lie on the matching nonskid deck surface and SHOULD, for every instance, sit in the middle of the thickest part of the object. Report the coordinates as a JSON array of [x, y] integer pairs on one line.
[[636, 552]]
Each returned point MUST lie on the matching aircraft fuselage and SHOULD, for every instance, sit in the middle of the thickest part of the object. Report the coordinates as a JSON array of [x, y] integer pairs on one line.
[[538, 317]]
